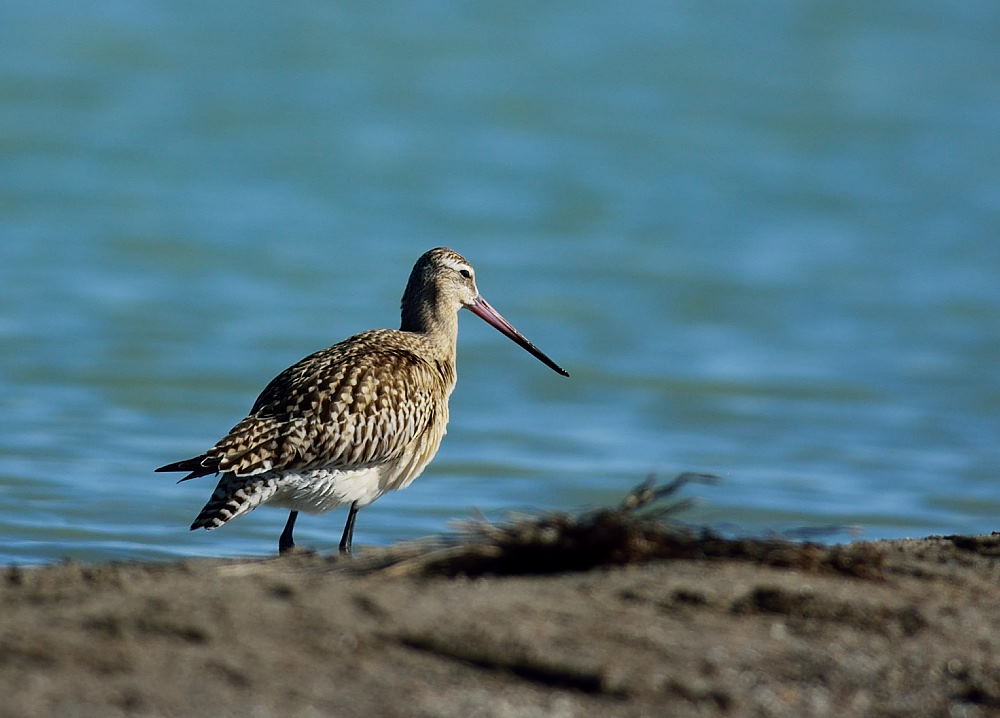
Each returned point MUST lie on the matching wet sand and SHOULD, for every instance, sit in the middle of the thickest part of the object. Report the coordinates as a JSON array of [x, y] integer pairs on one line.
[[649, 624]]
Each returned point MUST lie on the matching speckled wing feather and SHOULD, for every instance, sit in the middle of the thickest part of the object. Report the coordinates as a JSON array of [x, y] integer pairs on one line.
[[358, 403]]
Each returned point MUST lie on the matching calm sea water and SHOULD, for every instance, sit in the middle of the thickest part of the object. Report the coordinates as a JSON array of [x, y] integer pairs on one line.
[[763, 238]]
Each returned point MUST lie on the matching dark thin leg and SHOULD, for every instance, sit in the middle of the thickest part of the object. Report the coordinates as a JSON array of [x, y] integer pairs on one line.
[[286, 543], [345, 542]]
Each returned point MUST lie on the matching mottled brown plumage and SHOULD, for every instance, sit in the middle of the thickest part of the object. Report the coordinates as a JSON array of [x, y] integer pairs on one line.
[[353, 421]]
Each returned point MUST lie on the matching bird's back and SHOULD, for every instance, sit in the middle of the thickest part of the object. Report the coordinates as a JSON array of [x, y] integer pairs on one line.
[[359, 403]]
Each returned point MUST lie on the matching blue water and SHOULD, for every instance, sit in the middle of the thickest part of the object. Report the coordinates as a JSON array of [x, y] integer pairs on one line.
[[763, 238]]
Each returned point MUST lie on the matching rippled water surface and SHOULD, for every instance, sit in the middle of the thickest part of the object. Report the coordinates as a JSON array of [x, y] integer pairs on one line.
[[763, 238]]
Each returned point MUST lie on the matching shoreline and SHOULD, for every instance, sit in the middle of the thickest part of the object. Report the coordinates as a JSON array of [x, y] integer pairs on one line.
[[892, 628]]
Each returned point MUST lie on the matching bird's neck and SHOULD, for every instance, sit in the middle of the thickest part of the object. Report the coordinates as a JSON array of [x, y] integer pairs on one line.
[[437, 323]]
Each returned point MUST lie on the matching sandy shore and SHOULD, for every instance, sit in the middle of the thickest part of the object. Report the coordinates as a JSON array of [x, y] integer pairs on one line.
[[691, 627]]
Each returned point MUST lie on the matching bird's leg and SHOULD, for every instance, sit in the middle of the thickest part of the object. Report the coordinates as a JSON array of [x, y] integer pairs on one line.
[[286, 543], [345, 541]]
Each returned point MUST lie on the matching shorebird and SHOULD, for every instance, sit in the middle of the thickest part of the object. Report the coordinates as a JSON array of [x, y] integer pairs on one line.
[[351, 422]]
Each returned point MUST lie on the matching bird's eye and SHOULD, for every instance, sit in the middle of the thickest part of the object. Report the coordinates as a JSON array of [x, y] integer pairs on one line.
[[465, 273]]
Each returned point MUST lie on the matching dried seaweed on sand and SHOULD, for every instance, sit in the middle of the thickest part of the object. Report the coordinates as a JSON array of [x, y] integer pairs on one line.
[[641, 528]]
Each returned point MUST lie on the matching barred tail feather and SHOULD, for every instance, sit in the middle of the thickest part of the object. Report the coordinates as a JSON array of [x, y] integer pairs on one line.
[[233, 497]]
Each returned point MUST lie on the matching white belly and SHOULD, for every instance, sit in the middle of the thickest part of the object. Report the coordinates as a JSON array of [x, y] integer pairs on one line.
[[316, 491], [321, 490]]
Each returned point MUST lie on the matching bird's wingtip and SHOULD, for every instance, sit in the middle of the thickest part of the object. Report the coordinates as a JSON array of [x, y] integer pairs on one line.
[[195, 466]]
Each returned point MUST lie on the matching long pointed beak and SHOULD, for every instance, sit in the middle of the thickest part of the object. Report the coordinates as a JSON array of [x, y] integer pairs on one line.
[[492, 317]]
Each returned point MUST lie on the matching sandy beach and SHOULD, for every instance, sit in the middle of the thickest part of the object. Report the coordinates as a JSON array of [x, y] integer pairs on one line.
[[562, 618]]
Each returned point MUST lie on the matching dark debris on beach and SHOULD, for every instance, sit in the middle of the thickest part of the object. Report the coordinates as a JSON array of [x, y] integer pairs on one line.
[[641, 528]]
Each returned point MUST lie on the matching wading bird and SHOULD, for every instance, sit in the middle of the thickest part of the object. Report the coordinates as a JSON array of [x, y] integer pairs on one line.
[[351, 422]]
